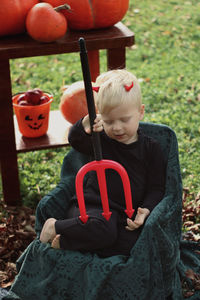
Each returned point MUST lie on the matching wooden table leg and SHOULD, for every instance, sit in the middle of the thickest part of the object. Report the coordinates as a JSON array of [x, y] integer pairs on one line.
[[8, 154], [116, 58], [93, 58]]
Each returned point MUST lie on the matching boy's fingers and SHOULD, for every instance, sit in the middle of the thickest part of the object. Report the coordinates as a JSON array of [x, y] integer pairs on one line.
[[98, 118], [131, 228], [88, 130], [131, 224], [139, 219], [128, 228], [98, 126]]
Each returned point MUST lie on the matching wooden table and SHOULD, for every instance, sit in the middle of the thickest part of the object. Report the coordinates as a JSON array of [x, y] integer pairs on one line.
[[114, 40]]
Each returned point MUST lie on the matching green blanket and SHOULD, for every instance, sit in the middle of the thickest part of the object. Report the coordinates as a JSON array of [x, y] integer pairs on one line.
[[157, 262]]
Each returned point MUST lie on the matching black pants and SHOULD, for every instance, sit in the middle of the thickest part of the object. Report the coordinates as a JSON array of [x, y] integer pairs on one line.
[[106, 238]]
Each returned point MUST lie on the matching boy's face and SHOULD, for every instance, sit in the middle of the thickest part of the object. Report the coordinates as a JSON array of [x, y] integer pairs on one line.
[[121, 123]]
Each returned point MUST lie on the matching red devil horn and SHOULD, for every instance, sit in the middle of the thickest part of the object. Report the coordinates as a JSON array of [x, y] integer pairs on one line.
[[128, 87], [96, 88]]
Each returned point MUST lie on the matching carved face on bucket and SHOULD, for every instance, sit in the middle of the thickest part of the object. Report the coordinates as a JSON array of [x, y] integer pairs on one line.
[[35, 122]]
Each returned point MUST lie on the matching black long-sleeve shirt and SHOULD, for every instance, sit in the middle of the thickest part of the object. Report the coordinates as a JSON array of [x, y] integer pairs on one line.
[[143, 161]]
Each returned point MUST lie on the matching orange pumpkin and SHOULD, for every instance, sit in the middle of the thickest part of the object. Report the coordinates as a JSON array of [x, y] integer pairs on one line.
[[45, 23], [73, 105], [91, 14], [13, 15]]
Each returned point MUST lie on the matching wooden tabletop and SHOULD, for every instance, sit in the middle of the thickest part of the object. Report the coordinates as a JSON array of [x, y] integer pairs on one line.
[[18, 46]]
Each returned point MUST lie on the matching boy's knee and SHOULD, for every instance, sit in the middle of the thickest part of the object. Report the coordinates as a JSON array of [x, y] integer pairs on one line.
[[105, 231]]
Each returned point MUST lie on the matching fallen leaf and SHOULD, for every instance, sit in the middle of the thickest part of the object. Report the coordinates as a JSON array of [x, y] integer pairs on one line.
[[16, 233]]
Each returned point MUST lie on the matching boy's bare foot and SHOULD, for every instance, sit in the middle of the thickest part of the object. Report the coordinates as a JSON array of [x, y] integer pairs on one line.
[[56, 242], [48, 232]]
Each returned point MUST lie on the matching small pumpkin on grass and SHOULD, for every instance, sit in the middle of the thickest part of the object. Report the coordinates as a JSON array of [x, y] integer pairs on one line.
[[45, 23]]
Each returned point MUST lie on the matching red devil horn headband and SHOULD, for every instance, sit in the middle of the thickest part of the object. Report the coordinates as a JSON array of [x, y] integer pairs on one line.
[[128, 87], [96, 88]]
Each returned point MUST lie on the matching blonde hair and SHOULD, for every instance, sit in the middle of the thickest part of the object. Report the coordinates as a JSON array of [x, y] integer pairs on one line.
[[112, 91]]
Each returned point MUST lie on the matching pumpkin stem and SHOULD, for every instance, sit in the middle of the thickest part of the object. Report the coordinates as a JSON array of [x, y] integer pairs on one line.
[[61, 7]]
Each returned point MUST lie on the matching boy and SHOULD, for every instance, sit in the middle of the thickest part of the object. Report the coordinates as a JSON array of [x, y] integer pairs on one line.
[[118, 100]]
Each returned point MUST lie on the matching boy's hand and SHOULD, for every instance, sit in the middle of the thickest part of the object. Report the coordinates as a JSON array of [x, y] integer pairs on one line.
[[86, 124], [98, 124], [97, 127], [142, 214]]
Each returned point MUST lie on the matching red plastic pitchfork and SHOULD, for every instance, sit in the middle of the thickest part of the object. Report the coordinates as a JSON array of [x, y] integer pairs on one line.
[[99, 165]]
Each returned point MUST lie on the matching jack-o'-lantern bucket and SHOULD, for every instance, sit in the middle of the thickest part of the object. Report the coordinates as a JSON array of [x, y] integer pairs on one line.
[[33, 120]]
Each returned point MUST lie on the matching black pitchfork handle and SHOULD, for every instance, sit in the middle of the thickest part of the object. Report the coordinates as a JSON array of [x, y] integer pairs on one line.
[[90, 98]]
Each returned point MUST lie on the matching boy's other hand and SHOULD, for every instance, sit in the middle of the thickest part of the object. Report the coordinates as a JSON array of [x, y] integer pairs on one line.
[[142, 214]]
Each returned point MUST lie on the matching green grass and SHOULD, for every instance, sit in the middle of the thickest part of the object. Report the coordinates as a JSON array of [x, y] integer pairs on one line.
[[166, 57], [166, 61]]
